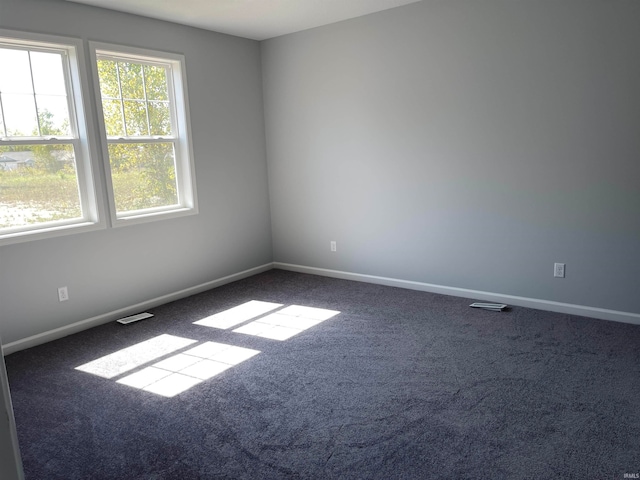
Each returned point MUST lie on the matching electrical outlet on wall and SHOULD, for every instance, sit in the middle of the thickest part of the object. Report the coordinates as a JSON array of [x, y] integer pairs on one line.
[[558, 270], [333, 245], [63, 294]]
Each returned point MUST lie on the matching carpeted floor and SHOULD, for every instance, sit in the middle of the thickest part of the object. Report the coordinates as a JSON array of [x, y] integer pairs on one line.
[[399, 385]]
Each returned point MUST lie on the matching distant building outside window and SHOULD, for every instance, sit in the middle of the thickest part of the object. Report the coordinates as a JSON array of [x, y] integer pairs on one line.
[[45, 174]]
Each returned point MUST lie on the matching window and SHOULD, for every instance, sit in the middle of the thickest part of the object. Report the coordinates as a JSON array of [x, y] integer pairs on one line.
[[145, 127], [50, 171], [46, 185]]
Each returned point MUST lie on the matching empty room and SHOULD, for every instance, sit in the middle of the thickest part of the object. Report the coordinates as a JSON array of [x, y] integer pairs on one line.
[[291, 206]]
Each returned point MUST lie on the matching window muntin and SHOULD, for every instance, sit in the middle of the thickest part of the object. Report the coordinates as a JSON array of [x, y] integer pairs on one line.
[[47, 145], [145, 125], [33, 93], [45, 174]]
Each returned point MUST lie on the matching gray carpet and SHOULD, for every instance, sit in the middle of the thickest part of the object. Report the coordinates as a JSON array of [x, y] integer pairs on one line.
[[399, 385]]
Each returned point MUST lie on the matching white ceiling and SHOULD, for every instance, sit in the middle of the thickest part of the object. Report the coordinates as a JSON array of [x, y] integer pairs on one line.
[[255, 19]]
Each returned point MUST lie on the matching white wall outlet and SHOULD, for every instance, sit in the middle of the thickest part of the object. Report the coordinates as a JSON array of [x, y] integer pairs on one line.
[[63, 294], [558, 270], [333, 246]]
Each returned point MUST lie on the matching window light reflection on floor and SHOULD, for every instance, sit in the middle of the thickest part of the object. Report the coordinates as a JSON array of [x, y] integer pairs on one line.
[[287, 322], [279, 325], [237, 315], [169, 376], [180, 372], [135, 356]]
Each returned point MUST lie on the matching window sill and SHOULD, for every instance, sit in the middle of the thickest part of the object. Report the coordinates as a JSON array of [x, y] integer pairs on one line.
[[152, 216], [50, 232]]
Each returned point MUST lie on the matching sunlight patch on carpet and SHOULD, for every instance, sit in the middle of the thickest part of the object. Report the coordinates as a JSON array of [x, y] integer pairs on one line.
[[175, 372], [287, 322], [237, 315], [182, 371], [135, 356]]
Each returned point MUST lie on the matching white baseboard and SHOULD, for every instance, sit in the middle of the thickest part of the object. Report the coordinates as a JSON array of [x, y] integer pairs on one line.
[[593, 312], [123, 312]]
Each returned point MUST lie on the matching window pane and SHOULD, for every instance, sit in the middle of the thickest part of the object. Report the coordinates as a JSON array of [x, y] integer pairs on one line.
[[159, 118], [135, 116], [144, 91], [16, 79], [143, 175], [38, 184], [143, 170], [131, 80], [112, 110], [20, 115], [156, 82], [48, 78], [53, 112], [108, 79]]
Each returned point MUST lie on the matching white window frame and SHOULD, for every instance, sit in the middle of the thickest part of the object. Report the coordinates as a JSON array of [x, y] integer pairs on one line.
[[183, 146], [93, 214]]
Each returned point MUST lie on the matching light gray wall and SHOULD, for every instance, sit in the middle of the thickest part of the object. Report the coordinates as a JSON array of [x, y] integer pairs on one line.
[[115, 268], [463, 143]]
